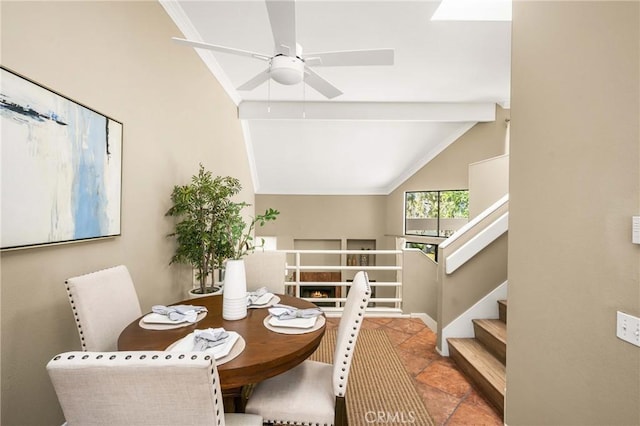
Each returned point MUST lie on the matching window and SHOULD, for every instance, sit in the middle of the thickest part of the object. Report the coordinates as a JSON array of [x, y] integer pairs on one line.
[[429, 249], [435, 213]]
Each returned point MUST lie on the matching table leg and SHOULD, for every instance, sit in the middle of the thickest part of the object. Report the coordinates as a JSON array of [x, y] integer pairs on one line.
[[235, 399]]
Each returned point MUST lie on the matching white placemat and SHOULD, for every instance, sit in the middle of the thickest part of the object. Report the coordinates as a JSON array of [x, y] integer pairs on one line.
[[168, 325], [274, 300], [292, 330], [235, 350]]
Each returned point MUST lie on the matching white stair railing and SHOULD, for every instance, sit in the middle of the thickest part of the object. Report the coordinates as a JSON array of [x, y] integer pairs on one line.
[[476, 244], [378, 305]]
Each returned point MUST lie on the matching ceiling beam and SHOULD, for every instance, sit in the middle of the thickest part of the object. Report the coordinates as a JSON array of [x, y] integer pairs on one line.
[[386, 111]]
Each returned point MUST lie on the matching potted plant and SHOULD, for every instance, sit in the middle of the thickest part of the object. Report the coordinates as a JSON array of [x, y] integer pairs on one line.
[[201, 209], [210, 229]]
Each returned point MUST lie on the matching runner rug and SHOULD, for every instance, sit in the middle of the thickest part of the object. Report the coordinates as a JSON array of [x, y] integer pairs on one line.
[[379, 390]]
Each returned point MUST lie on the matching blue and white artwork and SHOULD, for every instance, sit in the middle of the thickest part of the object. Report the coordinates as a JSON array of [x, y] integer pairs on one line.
[[61, 167]]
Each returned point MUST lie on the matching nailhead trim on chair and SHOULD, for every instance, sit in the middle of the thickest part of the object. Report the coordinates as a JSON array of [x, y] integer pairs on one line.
[[356, 325], [128, 356], [75, 311], [75, 316]]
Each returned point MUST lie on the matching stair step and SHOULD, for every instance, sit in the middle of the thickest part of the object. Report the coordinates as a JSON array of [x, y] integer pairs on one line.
[[485, 370], [502, 310], [492, 333]]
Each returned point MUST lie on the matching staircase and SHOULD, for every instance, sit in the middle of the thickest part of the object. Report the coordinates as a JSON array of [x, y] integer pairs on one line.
[[483, 358]]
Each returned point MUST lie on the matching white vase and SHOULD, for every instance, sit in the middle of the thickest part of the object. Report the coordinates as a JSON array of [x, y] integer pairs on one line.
[[234, 294]]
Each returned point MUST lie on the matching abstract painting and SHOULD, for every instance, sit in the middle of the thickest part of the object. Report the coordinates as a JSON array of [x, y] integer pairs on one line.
[[61, 167]]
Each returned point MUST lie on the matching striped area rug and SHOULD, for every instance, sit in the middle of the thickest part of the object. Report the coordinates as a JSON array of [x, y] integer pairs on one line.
[[379, 391]]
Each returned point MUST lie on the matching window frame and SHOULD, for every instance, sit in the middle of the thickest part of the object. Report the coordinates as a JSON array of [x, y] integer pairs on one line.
[[438, 230]]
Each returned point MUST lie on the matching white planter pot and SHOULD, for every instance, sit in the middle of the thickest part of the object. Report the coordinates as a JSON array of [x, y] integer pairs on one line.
[[212, 288], [234, 295], [191, 294]]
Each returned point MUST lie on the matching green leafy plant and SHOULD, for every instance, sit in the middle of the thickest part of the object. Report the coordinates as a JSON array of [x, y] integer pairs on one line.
[[209, 226], [238, 236]]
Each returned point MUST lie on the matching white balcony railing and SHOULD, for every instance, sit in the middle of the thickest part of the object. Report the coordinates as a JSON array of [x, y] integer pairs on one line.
[[385, 280]]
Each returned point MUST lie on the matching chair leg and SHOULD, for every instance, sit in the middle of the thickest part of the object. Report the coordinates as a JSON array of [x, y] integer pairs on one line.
[[340, 415]]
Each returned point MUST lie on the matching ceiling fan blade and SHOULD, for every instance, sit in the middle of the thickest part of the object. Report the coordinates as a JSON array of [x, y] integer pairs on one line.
[[282, 16], [256, 81], [224, 49], [320, 84], [351, 58]]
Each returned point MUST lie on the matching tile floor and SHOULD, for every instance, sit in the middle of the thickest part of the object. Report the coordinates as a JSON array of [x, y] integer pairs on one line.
[[447, 394]]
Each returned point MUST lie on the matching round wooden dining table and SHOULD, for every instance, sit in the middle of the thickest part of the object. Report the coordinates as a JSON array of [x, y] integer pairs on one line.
[[266, 353]]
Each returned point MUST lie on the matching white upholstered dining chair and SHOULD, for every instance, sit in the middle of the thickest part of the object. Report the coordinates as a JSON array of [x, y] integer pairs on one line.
[[265, 269], [151, 388], [103, 304], [314, 393]]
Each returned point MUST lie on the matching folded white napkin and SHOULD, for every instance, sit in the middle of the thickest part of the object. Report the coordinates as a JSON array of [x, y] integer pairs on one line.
[[187, 313], [209, 338], [253, 296], [284, 312]]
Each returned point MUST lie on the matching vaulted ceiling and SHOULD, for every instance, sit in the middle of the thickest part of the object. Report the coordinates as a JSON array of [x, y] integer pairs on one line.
[[389, 121]]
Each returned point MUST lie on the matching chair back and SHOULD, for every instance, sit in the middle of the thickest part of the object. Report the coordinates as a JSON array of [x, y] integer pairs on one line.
[[348, 331], [265, 269], [103, 304], [137, 388]]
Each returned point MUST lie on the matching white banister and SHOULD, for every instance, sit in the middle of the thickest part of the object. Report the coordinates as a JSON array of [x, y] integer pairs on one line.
[[473, 222], [477, 243]]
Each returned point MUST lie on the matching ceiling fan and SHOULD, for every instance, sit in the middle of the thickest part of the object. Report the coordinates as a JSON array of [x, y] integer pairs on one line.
[[288, 65]]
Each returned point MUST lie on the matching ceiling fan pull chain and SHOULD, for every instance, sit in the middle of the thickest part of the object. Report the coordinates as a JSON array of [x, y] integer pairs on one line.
[[304, 100], [269, 96]]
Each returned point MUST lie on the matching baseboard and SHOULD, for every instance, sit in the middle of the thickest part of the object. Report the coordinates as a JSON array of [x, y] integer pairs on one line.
[[429, 322], [487, 307]]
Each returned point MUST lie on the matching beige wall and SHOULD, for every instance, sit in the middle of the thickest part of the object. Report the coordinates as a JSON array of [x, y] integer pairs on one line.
[[419, 284], [488, 182], [117, 58], [309, 216], [575, 183]]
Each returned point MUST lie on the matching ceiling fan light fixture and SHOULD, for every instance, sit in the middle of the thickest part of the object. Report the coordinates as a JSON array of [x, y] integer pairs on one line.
[[289, 67], [287, 70]]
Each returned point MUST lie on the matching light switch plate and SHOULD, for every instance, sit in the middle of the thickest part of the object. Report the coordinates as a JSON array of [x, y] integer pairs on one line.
[[628, 328]]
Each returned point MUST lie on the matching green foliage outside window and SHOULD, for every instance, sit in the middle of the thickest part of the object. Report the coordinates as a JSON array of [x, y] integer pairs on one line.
[[422, 204], [432, 207], [454, 204]]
